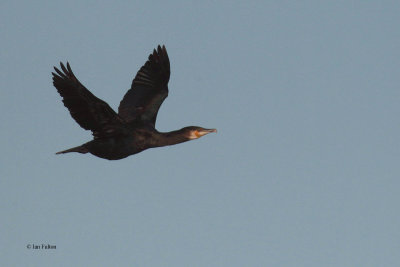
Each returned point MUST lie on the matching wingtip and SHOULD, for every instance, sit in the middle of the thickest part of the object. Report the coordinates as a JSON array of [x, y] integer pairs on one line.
[[65, 70], [69, 67], [59, 73]]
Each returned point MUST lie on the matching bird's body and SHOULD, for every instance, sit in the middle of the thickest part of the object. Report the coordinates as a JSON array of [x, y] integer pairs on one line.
[[132, 129]]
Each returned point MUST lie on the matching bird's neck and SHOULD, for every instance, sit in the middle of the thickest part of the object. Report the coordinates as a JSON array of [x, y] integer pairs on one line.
[[170, 138]]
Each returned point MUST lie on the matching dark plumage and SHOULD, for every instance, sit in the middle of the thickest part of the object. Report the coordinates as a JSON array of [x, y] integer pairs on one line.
[[132, 129]]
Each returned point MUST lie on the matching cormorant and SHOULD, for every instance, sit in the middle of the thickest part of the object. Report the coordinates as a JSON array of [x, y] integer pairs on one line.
[[132, 129]]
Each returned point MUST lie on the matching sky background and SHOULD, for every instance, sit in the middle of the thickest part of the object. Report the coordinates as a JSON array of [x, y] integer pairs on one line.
[[304, 169]]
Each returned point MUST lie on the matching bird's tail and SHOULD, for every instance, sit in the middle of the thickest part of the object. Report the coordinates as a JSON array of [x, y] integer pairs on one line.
[[80, 149]]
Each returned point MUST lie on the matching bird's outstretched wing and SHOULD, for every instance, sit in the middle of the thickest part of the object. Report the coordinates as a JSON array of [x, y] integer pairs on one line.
[[90, 112], [148, 90]]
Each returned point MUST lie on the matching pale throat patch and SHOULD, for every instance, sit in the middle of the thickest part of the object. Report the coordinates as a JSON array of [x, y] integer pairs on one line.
[[194, 134]]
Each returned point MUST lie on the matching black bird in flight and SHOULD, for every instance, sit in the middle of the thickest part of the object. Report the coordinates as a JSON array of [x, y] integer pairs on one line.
[[132, 129]]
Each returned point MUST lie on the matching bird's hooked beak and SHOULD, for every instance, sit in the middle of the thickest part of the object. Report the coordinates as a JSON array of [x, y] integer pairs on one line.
[[201, 132]]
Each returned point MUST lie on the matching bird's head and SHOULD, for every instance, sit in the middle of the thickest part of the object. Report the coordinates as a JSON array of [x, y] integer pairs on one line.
[[194, 132]]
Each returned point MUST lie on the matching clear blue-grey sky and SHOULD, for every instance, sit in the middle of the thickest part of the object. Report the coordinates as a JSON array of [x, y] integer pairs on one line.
[[304, 170]]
